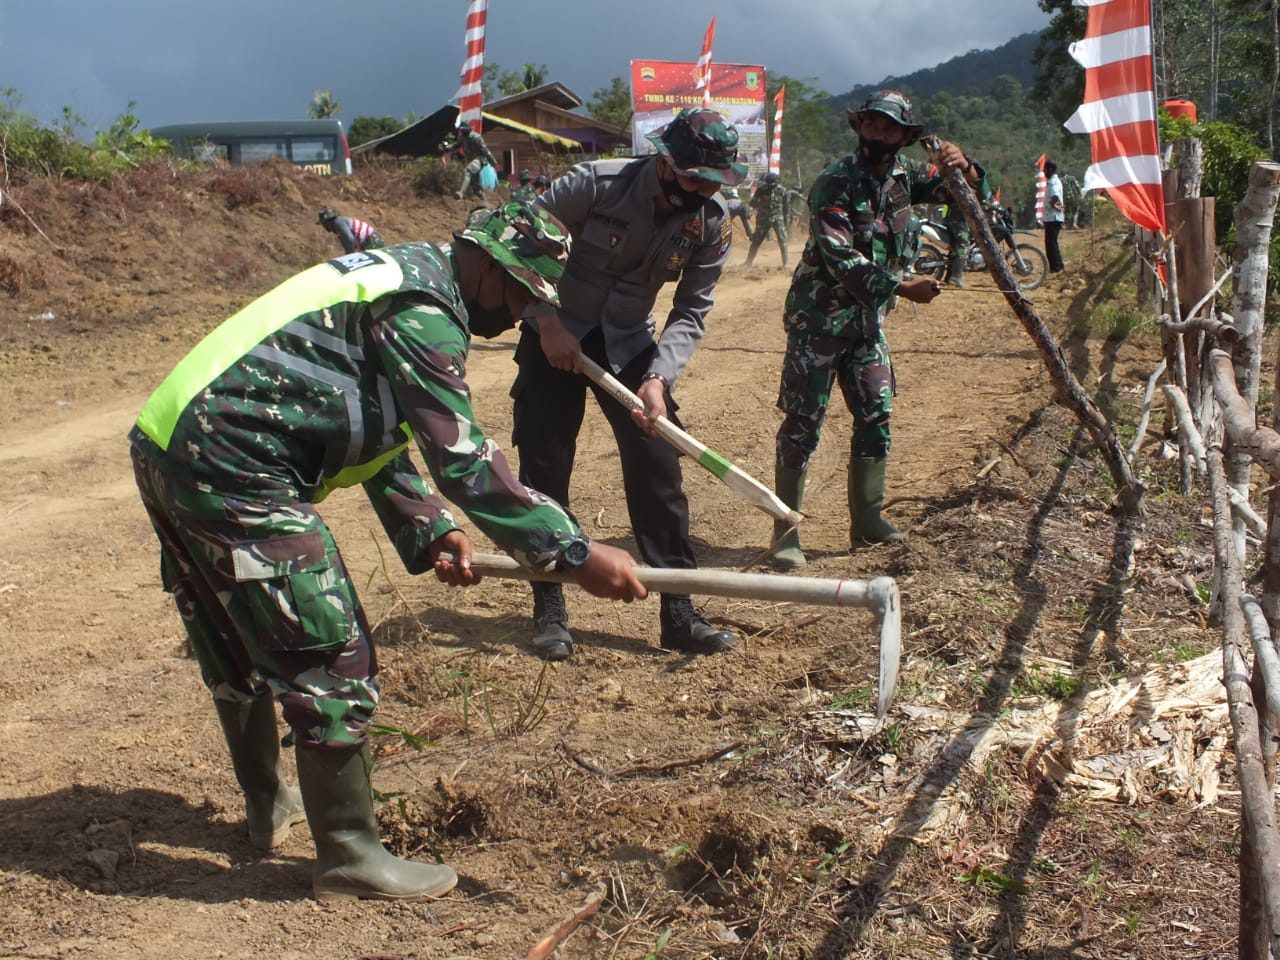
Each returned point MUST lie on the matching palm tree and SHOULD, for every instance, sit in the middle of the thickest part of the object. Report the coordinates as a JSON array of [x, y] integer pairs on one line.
[[324, 105]]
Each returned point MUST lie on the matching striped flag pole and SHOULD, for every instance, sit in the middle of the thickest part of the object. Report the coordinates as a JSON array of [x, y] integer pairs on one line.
[[1119, 109], [470, 96], [775, 148], [1042, 185], [702, 72]]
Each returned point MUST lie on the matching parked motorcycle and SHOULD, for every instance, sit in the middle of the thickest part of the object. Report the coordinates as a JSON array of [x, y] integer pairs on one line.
[[1027, 262]]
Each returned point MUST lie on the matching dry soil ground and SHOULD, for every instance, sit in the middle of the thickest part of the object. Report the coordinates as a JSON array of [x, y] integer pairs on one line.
[[1051, 781]]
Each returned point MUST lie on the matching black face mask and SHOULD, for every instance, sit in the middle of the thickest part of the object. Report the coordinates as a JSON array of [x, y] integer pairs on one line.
[[489, 321], [876, 152], [686, 201]]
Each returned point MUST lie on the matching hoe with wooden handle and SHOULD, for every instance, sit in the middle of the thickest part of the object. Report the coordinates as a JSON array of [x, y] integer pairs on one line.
[[879, 595], [740, 482]]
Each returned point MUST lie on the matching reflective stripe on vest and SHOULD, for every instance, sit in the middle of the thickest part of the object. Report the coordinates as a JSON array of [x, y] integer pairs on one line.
[[321, 286]]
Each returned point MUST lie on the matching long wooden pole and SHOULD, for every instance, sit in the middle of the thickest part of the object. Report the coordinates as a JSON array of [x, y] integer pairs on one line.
[[736, 479], [1069, 391], [880, 595]]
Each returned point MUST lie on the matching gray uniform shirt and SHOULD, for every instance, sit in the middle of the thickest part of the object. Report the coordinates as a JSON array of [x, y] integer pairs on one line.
[[622, 255]]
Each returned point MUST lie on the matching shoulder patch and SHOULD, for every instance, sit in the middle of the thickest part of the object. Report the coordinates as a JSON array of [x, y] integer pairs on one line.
[[354, 261]]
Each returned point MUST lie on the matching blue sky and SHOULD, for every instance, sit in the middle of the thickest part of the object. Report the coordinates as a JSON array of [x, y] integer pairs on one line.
[[263, 59]]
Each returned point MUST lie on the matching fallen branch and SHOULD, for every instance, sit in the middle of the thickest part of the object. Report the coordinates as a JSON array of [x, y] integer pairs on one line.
[[568, 923], [711, 757]]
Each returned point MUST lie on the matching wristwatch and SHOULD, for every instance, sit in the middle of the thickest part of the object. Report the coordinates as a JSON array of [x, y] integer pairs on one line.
[[654, 375], [574, 554]]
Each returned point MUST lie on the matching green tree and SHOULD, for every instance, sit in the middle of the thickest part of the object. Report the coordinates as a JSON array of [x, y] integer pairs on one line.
[[812, 133], [324, 105], [530, 77], [612, 104], [364, 129]]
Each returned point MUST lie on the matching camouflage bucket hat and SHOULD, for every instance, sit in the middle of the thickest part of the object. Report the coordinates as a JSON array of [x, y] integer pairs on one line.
[[893, 105], [530, 243], [701, 144]]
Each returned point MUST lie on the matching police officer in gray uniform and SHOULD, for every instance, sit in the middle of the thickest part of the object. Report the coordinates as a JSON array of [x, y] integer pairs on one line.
[[636, 225]]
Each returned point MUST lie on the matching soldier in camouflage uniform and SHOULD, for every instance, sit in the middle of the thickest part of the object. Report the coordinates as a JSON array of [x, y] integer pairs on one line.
[[469, 147], [961, 238], [525, 191], [322, 383], [860, 213], [1072, 200], [793, 202], [769, 204]]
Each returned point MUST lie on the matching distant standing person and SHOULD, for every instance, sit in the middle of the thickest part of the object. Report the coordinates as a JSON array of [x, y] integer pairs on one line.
[[1054, 216], [769, 204], [1072, 199], [525, 191], [354, 234], [469, 147], [859, 235]]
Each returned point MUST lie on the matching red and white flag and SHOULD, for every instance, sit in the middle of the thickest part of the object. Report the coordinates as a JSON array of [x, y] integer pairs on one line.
[[1119, 109], [1042, 185], [775, 148], [702, 71], [470, 97]]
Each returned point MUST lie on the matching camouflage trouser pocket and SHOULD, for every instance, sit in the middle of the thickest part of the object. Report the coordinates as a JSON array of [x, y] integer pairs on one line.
[[295, 592]]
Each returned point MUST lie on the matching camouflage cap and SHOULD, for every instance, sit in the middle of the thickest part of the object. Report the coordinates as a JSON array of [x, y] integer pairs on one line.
[[526, 176], [701, 144], [542, 180], [894, 105], [327, 214], [530, 243]]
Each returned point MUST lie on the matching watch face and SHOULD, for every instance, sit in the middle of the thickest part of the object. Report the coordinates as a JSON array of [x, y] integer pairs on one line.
[[576, 553]]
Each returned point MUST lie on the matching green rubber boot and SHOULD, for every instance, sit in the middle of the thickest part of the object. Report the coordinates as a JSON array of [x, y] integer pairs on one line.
[[866, 497], [351, 862], [789, 485], [270, 805]]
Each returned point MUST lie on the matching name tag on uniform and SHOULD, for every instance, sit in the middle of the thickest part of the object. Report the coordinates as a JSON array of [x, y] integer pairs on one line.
[[353, 261]]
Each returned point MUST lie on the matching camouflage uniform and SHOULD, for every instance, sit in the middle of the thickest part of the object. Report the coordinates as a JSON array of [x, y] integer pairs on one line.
[[961, 238], [1072, 200], [471, 149], [859, 234], [321, 383], [769, 204], [525, 193], [794, 202]]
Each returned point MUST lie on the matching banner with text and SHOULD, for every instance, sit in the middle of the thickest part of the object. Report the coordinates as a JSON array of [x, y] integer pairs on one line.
[[662, 88]]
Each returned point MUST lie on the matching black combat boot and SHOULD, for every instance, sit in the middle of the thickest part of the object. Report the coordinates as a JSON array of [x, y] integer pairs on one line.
[[551, 637], [684, 629]]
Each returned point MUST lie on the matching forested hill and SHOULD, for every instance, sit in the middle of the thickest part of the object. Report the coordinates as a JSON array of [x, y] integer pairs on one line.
[[971, 72], [981, 101]]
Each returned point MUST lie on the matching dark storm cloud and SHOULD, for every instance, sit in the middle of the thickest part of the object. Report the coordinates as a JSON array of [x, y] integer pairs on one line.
[[256, 59]]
